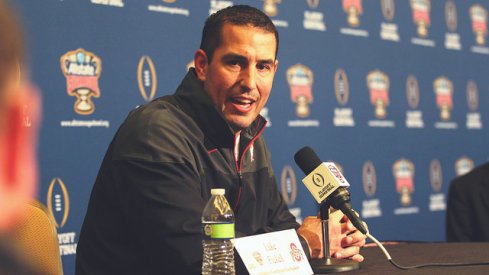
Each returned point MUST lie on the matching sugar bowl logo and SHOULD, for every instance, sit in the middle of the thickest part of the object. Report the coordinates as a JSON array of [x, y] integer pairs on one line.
[[378, 85], [82, 70], [388, 31], [414, 117], [437, 200], [452, 39], [443, 88], [313, 4], [403, 171], [266, 115], [190, 65], [300, 79], [473, 117], [370, 206], [270, 7], [421, 15], [58, 203], [353, 9], [463, 165], [342, 116], [147, 80], [478, 16], [217, 5]]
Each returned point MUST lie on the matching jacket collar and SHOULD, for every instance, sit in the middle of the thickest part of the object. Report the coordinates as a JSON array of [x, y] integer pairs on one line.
[[195, 102]]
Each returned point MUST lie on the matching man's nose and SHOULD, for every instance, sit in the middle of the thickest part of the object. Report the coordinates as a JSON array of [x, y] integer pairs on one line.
[[248, 81]]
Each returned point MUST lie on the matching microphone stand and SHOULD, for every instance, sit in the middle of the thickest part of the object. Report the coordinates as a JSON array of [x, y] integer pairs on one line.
[[328, 264]]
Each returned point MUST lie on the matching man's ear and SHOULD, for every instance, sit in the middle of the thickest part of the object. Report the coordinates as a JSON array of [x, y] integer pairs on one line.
[[275, 64], [201, 64]]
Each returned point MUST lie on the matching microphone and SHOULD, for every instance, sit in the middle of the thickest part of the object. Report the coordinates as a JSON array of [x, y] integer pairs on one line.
[[327, 185]]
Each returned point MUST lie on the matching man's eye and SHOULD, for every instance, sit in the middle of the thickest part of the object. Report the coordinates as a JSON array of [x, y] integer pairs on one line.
[[263, 67], [233, 63]]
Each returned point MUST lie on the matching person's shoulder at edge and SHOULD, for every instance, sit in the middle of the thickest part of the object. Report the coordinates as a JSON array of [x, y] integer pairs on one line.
[[476, 176]]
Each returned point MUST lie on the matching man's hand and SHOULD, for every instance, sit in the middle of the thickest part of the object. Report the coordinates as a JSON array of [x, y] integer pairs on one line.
[[345, 241]]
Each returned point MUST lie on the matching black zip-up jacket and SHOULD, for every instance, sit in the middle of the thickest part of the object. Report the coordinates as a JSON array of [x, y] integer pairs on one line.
[[144, 214]]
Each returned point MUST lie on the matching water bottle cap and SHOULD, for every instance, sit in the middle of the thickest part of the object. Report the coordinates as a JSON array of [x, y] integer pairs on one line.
[[218, 191]]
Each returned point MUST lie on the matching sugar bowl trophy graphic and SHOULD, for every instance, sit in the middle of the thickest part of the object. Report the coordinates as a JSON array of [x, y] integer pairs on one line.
[[403, 171], [354, 9], [421, 15], [463, 165], [378, 85], [270, 7], [82, 70], [478, 16], [300, 79], [443, 88]]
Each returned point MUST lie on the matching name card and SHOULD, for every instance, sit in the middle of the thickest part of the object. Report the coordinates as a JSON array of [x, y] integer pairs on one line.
[[273, 253]]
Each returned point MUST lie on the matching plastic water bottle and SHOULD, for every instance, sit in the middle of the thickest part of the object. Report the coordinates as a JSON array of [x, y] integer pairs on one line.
[[218, 235]]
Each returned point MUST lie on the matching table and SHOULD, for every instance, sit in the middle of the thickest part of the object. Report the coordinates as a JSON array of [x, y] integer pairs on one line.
[[407, 254]]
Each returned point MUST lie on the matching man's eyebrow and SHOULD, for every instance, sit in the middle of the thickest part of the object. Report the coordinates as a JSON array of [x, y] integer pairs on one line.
[[266, 61], [241, 58], [234, 56]]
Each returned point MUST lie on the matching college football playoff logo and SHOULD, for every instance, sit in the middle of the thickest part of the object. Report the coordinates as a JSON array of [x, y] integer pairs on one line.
[[58, 202], [412, 91], [436, 175], [147, 81], [451, 15], [288, 185], [369, 179], [388, 9], [341, 88], [472, 96]]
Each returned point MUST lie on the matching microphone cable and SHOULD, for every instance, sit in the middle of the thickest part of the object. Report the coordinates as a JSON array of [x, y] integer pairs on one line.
[[389, 258]]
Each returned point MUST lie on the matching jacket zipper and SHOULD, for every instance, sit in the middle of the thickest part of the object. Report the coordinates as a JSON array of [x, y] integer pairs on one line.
[[239, 165]]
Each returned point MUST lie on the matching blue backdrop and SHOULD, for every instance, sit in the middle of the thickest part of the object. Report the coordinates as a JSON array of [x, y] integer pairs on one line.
[[392, 91]]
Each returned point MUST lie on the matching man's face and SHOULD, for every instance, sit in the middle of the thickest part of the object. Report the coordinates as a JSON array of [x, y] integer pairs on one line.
[[240, 75]]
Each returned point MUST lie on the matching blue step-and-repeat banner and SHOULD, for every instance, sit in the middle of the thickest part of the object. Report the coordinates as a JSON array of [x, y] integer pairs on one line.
[[392, 91]]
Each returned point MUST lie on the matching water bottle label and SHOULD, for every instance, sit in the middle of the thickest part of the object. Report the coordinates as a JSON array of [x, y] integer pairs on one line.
[[219, 231]]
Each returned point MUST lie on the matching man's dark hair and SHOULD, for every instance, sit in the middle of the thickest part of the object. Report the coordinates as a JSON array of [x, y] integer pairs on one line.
[[239, 15]]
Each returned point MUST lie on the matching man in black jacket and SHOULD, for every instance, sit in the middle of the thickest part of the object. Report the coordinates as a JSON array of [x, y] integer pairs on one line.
[[468, 207], [145, 207]]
